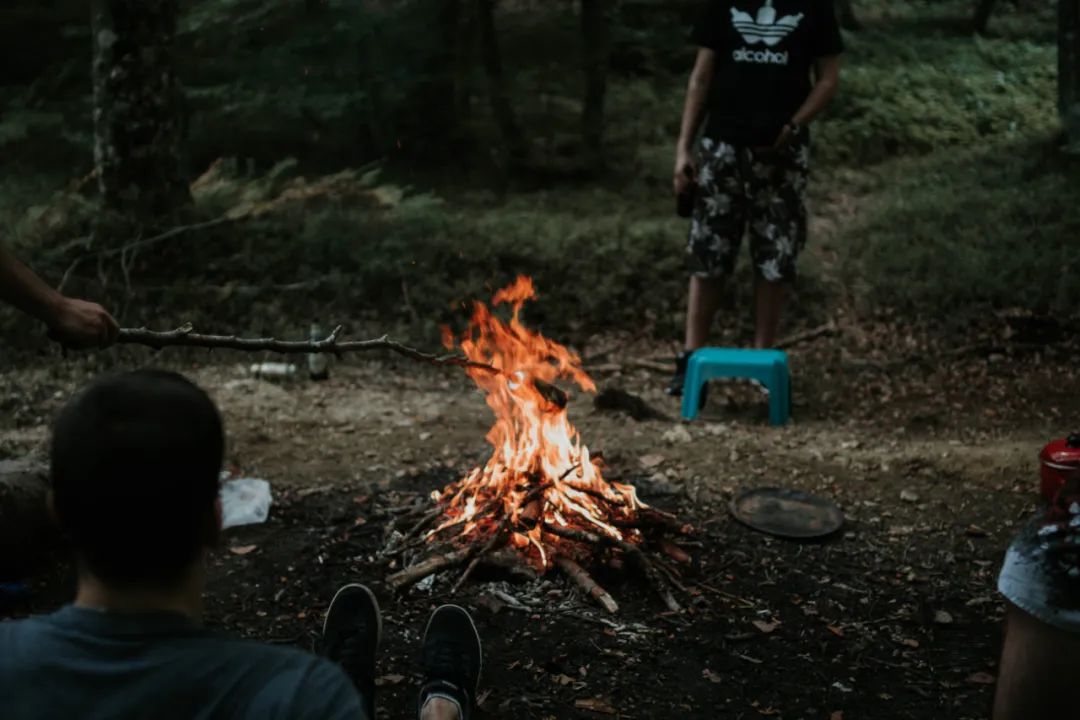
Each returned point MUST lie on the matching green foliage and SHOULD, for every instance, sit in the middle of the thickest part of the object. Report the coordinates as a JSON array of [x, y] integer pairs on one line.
[[936, 138], [993, 226], [904, 95]]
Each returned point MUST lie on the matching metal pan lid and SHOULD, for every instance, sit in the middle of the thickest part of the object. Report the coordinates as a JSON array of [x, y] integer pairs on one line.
[[787, 513]]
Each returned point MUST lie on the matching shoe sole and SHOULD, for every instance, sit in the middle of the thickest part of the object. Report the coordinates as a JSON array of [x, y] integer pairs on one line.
[[374, 602], [479, 641]]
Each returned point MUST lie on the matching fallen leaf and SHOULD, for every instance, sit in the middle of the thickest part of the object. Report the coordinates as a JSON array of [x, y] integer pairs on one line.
[[981, 678], [651, 461], [943, 618], [242, 549], [711, 676], [389, 680], [563, 679], [769, 711], [838, 632], [597, 705], [360, 520], [909, 642], [837, 715], [975, 531], [766, 627]]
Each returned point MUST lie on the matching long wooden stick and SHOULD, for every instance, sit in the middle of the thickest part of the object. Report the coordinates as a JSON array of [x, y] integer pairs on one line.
[[429, 566], [185, 336], [586, 583]]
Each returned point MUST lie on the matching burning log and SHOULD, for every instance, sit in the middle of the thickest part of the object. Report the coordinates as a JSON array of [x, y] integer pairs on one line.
[[540, 501]]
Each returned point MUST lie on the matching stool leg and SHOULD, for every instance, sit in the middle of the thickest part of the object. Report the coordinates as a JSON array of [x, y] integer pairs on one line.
[[691, 394], [777, 395]]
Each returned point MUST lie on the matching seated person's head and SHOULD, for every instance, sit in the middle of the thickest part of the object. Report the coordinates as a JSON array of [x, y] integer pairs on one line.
[[135, 465]]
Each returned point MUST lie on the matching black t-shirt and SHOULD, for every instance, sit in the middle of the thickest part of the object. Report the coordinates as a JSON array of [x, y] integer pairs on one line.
[[765, 52]]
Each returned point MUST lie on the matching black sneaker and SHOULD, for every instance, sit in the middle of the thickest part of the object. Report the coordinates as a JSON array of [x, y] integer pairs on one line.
[[351, 635], [675, 387], [451, 659]]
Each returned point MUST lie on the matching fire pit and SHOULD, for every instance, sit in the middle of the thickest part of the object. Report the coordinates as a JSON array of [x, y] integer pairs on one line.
[[540, 501]]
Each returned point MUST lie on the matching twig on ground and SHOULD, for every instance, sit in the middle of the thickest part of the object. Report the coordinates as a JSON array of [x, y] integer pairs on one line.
[[653, 365], [587, 584], [806, 335], [429, 566], [185, 336]]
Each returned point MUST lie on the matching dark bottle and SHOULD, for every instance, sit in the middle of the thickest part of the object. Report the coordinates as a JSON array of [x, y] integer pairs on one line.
[[684, 201], [318, 364]]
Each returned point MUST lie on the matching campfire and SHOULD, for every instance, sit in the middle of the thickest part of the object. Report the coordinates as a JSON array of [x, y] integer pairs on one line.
[[540, 501]]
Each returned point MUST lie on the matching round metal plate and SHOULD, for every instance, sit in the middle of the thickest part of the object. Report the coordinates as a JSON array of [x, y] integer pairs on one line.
[[787, 513]]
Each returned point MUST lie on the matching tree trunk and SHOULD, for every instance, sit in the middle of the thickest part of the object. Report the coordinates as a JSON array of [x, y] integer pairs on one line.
[[137, 103], [983, 11], [596, 44], [26, 527], [491, 56], [845, 14], [1069, 68]]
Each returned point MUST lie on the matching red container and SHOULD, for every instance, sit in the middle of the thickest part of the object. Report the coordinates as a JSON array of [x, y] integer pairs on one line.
[[1059, 461]]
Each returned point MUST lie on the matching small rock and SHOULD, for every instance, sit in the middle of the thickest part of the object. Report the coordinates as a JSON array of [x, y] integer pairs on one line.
[[908, 496], [677, 434], [943, 618]]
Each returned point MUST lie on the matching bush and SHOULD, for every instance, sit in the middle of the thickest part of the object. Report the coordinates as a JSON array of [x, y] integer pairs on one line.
[[993, 226]]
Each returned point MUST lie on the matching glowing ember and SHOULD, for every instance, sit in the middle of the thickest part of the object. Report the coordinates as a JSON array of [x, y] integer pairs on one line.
[[540, 477]]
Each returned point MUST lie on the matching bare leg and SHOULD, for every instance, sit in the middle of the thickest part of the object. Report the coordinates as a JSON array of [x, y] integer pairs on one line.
[[438, 708], [705, 296], [770, 298], [1036, 678]]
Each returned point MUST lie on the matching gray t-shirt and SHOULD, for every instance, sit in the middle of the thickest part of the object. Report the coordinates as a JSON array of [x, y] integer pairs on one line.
[[89, 664]]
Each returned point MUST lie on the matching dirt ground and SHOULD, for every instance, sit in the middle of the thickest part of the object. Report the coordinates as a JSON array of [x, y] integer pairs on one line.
[[930, 450]]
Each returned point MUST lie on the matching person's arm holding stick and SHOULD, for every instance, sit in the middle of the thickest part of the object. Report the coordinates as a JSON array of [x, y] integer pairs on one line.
[[74, 323]]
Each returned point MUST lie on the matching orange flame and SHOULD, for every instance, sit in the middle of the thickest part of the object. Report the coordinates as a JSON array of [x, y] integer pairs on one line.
[[540, 472]]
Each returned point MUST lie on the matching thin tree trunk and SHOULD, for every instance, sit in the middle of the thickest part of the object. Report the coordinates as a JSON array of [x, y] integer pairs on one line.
[[137, 108], [983, 11], [1069, 68], [845, 14], [491, 56], [596, 42]]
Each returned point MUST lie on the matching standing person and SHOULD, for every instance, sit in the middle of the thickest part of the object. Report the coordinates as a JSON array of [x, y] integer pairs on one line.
[[765, 69], [74, 323]]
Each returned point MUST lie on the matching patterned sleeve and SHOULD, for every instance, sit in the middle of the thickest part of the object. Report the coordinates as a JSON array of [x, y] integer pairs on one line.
[[827, 40], [708, 30]]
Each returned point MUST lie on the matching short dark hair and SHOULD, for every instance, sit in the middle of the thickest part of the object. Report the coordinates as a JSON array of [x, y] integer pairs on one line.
[[136, 459]]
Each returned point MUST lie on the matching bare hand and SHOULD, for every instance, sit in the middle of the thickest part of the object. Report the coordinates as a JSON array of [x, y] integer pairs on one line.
[[79, 324], [685, 172], [784, 138]]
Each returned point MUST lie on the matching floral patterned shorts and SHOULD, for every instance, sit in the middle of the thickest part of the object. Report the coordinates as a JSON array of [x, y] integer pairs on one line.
[[740, 191]]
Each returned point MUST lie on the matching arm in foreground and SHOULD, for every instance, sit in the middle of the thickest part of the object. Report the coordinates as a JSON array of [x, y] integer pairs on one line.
[[75, 323]]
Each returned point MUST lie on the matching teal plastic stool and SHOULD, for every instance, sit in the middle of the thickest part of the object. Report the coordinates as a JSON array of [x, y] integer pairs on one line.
[[769, 367]]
